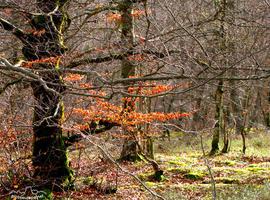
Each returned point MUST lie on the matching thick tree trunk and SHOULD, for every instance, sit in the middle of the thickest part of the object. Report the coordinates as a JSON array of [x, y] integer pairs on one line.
[[219, 115], [149, 147], [49, 159]]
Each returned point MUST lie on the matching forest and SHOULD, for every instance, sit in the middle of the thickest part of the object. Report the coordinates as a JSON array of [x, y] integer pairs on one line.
[[135, 99]]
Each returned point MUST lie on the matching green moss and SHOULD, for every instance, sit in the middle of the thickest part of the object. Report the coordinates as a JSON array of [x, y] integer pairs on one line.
[[253, 165], [230, 162], [151, 184], [149, 176], [253, 168], [194, 175], [176, 134], [227, 180], [144, 176], [46, 195], [227, 162], [178, 170], [240, 171], [88, 180], [176, 162]]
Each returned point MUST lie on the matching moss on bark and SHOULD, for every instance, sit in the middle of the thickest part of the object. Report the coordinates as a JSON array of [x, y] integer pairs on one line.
[[50, 159]]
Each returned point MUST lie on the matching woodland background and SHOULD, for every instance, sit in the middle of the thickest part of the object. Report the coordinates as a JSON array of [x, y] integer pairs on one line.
[[162, 98]]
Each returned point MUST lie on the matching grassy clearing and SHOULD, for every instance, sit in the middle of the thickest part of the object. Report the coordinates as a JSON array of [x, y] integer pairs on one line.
[[236, 176]]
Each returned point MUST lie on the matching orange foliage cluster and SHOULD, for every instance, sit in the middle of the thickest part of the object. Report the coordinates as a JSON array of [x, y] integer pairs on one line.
[[50, 60], [117, 18], [35, 32], [138, 13], [150, 90], [127, 118], [114, 17], [158, 89], [73, 77], [89, 88], [85, 85], [124, 115], [39, 32]]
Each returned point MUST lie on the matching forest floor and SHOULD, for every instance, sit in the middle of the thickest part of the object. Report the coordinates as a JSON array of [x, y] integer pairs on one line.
[[186, 175]]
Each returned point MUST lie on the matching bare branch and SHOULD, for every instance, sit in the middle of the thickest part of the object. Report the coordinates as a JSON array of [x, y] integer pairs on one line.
[[12, 28], [118, 56], [4, 64]]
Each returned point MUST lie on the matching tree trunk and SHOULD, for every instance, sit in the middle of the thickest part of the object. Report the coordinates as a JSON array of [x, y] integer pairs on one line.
[[130, 150], [226, 134], [219, 117], [149, 147], [147, 142], [198, 122], [49, 158], [267, 112], [254, 117]]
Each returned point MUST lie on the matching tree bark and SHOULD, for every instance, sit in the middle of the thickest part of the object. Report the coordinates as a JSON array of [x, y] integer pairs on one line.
[[266, 113], [49, 158], [130, 150], [219, 117]]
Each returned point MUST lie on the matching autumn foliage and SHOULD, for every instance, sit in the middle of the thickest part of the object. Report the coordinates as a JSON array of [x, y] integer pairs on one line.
[[50, 60], [125, 115], [117, 18]]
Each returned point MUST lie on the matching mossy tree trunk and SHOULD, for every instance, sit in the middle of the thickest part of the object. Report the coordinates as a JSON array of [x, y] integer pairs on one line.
[[49, 158], [44, 45], [219, 97]]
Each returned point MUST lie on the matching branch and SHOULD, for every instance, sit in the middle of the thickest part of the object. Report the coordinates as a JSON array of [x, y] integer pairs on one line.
[[12, 28], [93, 129], [5, 65], [90, 13], [9, 84], [101, 59], [119, 56]]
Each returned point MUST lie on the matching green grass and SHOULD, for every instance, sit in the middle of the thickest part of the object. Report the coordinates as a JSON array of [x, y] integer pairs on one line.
[[237, 176]]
